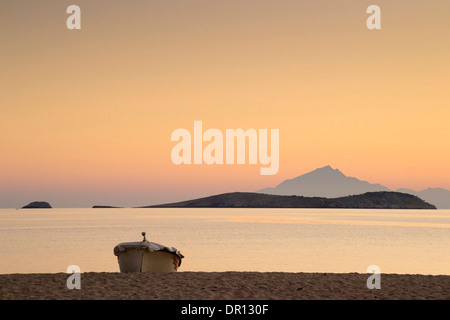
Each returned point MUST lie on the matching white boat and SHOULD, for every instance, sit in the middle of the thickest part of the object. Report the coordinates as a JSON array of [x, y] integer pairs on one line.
[[145, 256]]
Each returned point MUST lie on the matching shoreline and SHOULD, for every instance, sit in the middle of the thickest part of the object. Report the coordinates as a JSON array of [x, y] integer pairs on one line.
[[223, 286]]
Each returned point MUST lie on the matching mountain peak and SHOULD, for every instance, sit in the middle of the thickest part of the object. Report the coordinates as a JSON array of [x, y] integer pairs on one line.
[[327, 170]]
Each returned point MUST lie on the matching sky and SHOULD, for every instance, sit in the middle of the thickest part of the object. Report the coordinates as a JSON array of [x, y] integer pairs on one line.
[[87, 115]]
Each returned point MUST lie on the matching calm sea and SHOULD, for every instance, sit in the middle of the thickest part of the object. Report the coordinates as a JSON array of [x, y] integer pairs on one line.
[[287, 240]]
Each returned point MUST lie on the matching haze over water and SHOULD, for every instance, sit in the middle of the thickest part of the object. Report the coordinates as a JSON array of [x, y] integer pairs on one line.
[[265, 240]]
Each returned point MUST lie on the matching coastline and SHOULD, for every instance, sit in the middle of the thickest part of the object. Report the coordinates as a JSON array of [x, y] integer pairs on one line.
[[223, 286]]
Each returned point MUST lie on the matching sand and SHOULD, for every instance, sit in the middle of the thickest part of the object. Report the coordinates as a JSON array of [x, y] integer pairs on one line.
[[223, 286]]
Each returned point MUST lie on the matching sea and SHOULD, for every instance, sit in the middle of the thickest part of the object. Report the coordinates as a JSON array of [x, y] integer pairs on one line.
[[218, 240]]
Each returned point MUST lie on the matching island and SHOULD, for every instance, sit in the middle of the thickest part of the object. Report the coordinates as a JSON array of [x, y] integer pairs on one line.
[[104, 207], [37, 205], [368, 200]]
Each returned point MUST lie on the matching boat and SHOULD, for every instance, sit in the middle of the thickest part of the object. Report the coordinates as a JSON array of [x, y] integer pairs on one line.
[[145, 256]]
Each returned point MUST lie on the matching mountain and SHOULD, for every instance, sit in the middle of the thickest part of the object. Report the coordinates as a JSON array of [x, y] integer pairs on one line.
[[370, 200], [437, 196], [37, 205], [328, 182], [323, 182]]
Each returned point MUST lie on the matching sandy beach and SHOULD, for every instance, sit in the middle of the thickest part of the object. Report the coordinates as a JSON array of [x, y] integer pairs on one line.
[[223, 286]]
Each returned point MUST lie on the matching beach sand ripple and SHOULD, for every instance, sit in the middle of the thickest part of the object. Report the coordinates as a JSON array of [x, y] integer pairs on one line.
[[222, 286]]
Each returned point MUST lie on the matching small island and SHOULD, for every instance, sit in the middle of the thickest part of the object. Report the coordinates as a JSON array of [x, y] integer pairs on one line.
[[37, 205], [104, 207], [368, 200]]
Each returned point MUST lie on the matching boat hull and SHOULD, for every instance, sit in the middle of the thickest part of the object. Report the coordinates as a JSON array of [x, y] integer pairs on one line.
[[148, 261]]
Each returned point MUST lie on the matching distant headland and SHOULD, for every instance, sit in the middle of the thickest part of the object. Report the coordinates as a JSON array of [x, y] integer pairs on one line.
[[369, 200], [37, 205], [332, 183]]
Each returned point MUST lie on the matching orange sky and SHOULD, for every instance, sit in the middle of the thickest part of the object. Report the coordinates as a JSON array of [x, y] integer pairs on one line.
[[87, 115]]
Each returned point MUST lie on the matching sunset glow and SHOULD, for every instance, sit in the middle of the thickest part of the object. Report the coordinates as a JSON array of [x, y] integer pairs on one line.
[[87, 115]]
